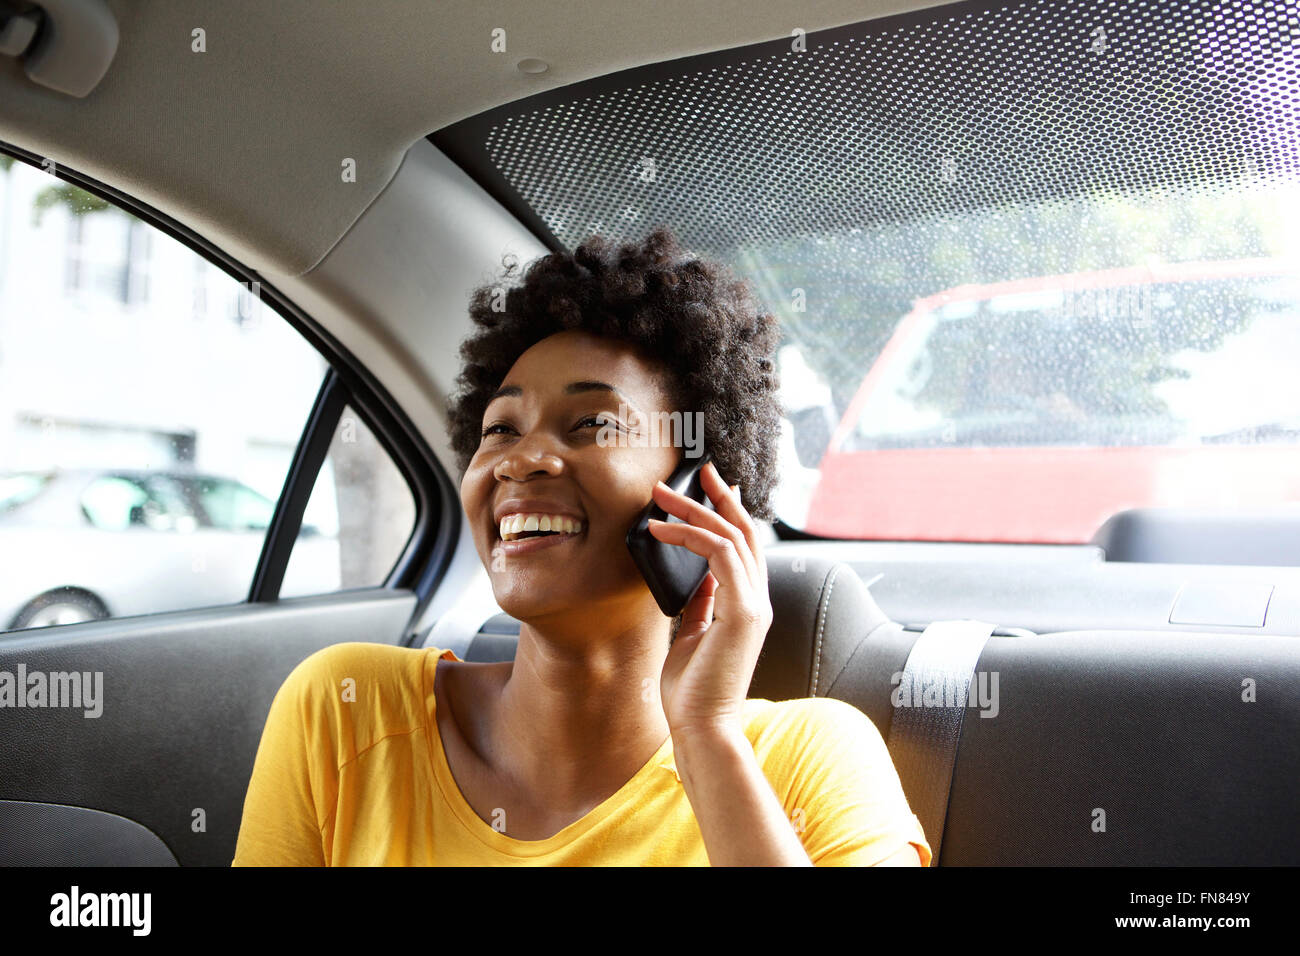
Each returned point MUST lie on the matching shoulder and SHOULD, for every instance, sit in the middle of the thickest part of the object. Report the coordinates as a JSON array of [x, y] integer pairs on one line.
[[365, 657], [817, 740], [808, 718], [330, 670], [356, 693], [832, 769]]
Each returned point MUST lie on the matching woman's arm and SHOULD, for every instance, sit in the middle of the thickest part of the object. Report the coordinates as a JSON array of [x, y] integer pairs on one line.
[[740, 817], [706, 677], [843, 804], [834, 765]]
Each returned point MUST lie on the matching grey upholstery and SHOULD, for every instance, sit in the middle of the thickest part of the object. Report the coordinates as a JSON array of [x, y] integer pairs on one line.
[[1148, 727], [829, 638], [1152, 728]]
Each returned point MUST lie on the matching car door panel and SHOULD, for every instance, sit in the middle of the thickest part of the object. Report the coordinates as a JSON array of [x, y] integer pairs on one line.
[[185, 697]]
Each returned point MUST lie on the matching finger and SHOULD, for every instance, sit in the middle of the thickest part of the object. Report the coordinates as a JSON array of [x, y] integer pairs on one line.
[[735, 597], [697, 616], [730, 505], [755, 545], [728, 502], [699, 516]]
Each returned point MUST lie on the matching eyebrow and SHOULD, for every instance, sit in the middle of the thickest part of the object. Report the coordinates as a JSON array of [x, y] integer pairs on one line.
[[573, 388]]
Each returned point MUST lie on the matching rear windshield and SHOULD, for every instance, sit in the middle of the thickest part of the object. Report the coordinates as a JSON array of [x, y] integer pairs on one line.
[[1035, 263], [1121, 364]]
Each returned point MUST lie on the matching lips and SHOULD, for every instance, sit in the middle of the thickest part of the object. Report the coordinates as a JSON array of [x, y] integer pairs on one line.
[[531, 524], [525, 546], [528, 525], [523, 517]]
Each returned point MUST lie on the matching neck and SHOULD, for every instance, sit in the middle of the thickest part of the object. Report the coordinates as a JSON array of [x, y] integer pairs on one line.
[[580, 709]]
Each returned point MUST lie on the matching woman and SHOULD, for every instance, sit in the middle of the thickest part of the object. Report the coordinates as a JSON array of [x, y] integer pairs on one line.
[[616, 735]]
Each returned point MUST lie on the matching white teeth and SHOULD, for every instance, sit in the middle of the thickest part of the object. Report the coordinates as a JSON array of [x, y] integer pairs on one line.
[[512, 525]]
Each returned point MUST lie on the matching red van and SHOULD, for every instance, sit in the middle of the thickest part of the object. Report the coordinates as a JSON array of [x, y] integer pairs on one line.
[[1032, 410]]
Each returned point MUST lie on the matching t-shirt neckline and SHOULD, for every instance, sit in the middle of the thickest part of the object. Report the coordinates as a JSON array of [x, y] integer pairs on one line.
[[496, 840]]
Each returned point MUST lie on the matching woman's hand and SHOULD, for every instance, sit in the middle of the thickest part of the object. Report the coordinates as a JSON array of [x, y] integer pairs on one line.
[[711, 662]]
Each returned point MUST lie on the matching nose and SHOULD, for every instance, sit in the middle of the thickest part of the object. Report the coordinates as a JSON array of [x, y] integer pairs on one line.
[[530, 457]]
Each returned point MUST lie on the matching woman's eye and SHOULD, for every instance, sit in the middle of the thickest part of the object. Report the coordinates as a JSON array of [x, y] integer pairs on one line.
[[590, 421]]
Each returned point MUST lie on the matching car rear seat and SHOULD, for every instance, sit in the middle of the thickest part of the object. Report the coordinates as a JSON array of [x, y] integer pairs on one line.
[[1126, 748]]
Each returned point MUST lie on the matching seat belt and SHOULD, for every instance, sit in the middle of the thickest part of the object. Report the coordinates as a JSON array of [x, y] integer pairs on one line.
[[926, 728]]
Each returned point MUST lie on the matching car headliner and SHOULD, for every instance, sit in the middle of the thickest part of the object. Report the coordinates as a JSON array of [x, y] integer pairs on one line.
[[244, 143]]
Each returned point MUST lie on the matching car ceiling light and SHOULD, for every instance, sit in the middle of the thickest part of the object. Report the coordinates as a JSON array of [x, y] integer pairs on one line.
[[66, 45]]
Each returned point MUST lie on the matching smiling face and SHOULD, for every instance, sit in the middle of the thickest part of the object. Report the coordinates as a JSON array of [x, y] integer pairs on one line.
[[545, 459]]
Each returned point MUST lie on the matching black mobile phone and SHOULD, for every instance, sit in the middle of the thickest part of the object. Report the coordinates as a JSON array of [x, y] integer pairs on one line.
[[672, 571]]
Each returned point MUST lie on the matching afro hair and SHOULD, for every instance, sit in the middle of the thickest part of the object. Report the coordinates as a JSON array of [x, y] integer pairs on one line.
[[689, 314]]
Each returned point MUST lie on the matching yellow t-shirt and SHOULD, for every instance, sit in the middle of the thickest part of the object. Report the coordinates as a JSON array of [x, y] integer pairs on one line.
[[365, 782]]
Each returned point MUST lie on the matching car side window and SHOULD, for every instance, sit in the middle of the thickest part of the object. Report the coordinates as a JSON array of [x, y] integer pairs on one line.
[[358, 519], [150, 408], [230, 506], [109, 503], [15, 489]]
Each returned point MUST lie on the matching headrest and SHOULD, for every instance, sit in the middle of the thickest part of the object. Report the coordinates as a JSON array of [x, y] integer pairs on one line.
[[821, 613]]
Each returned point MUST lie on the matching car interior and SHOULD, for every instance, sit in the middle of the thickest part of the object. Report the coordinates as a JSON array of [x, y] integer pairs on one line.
[[368, 165]]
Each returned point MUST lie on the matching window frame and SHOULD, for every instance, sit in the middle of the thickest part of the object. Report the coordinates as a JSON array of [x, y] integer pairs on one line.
[[429, 547]]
